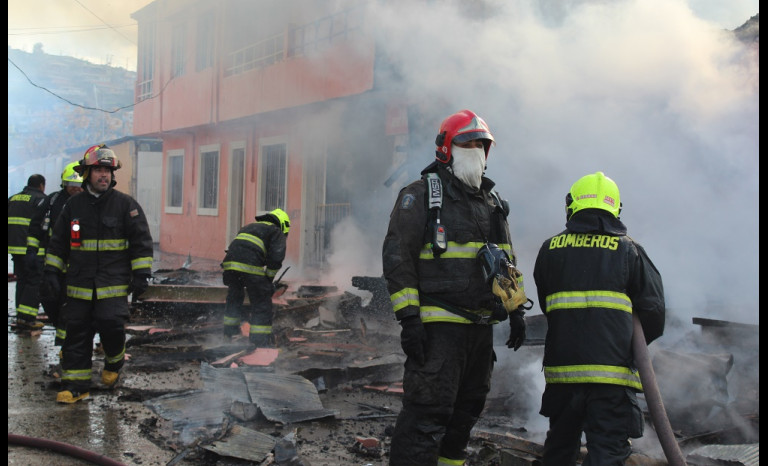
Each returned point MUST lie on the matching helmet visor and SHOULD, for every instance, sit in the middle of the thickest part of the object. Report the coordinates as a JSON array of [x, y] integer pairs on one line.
[[101, 157], [472, 135]]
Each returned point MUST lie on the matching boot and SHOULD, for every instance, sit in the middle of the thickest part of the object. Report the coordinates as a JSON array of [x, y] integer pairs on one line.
[[231, 331], [262, 340], [24, 324], [109, 378], [71, 397]]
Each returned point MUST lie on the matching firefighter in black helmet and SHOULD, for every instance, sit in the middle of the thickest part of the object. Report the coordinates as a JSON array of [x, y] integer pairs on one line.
[[22, 207], [101, 241], [441, 296]]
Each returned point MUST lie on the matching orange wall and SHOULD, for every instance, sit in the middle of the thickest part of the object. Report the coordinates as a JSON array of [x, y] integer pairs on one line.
[[204, 235]]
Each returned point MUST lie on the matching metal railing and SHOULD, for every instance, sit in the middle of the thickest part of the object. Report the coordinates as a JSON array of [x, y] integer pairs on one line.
[[260, 54]]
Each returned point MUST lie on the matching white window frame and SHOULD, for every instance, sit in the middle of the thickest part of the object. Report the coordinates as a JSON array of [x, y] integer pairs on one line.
[[234, 146], [262, 172], [169, 209], [214, 211]]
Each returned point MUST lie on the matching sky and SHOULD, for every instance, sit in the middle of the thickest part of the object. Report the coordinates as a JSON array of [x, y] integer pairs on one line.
[[99, 31]]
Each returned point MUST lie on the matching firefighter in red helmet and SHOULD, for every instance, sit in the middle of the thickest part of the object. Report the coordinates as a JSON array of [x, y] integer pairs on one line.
[[101, 241], [442, 293]]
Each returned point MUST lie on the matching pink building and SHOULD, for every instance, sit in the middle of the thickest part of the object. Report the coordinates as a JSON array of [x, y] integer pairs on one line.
[[261, 105]]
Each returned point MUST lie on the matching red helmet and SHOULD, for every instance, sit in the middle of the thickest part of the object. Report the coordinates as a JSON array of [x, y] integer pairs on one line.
[[99, 155], [461, 127]]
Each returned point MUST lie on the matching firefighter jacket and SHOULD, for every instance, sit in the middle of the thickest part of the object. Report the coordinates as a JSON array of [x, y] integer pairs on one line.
[[21, 209], [258, 249], [41, 227], [101, 243], [425, 283], [590, 279]]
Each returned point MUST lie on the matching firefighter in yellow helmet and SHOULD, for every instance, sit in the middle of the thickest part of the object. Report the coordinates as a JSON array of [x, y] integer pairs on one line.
[[40, 230], [101, 241], [591, 278], [251, 262]]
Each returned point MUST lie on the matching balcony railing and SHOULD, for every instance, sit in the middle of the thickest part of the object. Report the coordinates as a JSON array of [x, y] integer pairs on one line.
[[143, 90], [263, 53], [301, 40]]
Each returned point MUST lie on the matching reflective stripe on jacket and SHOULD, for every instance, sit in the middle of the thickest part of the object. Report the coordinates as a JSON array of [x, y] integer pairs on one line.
[[411, 268], [258, 249], [114, 244], [590, 279], [21, 208]]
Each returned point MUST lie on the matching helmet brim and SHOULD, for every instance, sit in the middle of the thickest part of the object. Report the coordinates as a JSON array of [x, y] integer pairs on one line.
[[472, 135]]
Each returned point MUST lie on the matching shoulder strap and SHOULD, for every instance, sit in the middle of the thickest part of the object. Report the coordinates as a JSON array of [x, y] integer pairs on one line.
[[434, 191], [434, 203]]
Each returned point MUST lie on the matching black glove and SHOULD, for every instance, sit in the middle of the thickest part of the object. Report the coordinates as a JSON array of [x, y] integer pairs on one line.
[[413, 338], [516, 330], [50, 289], [30, 260], [139, 285]]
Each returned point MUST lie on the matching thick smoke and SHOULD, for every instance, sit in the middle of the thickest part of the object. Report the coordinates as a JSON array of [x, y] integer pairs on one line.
[[663, 102]]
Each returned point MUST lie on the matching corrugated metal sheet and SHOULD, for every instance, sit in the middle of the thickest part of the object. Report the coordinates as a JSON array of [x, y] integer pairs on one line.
[[286, 398], [244, 443], [742, 455]]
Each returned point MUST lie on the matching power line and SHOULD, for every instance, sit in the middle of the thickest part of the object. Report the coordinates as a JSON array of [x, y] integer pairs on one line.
[[84, 106], [43, 31], [97, 17]]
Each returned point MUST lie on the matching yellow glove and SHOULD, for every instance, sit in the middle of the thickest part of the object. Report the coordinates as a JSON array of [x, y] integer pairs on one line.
[[510, 288]]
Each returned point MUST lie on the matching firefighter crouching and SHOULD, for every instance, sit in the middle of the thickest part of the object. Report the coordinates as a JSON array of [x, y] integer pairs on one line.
[[102, 242], [251, 262]]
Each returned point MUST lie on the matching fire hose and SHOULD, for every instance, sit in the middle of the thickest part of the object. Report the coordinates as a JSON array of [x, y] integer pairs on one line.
[[653, 397], [64, 448]]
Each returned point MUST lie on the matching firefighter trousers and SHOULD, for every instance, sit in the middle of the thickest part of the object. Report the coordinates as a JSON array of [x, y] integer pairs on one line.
[[82, 320], [443, 398], [608, 415], [27, 287], [258, 312]]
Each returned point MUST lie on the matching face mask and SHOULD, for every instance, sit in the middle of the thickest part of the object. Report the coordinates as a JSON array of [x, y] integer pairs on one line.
[[468, 165]]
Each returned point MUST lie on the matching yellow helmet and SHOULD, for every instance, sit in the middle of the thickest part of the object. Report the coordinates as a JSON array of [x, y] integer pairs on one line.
[[69, 177], [593, 191], [282, 218]]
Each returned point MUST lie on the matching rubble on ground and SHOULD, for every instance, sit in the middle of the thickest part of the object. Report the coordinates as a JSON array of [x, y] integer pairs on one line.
[[331, 344]]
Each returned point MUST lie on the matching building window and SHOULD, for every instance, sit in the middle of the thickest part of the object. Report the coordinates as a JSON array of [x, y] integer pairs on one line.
[[205, 36], [178, 58], [175, 182], [273, 176], [146, 57], [208, 187]]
